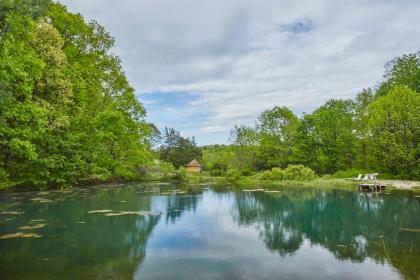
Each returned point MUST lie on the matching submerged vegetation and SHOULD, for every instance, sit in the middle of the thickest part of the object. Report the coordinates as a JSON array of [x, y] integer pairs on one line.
[[68, 116]]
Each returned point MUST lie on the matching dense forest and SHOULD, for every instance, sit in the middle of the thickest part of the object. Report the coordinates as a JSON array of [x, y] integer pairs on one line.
[[67, 112], [69, 116]]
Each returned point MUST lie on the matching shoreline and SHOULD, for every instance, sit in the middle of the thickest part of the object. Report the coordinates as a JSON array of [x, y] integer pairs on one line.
[[240, 183]]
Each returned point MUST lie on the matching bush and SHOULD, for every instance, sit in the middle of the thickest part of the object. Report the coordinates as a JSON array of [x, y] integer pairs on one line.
[[232, 175], [292, 172], [265, 175], [181, 174], [246, 172], [3, 175], [298, 173], [218, 169], [277, 174], [166, 168]]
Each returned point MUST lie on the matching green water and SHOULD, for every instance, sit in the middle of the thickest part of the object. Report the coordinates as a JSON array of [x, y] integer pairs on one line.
[[208, 234]]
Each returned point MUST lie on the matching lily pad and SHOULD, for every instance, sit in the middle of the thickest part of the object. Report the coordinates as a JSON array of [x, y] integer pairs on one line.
[[32, 227], [100, 211], [411, 229], [33, 221], [11, 213], [138, 213], [20, 235], [41, 200]]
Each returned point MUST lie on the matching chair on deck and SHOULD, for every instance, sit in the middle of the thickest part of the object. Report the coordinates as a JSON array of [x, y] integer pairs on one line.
[[373, 176], [358, 178]]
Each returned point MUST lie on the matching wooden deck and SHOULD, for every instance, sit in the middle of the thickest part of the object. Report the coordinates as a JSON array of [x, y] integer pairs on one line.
[[371, 187]]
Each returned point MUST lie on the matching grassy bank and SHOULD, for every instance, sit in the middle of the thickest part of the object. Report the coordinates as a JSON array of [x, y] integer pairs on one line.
[[252, 182], [317, 183]]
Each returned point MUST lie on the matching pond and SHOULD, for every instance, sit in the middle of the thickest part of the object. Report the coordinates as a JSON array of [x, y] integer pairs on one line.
[[157, 231]]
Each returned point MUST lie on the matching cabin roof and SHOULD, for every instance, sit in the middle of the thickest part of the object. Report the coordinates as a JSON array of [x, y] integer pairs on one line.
[[193, 163]]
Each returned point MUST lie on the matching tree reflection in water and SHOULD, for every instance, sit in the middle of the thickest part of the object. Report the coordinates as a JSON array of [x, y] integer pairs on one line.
[[353, 226]]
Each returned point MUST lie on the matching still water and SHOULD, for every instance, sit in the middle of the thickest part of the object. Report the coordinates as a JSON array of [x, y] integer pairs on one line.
[[201, 232]]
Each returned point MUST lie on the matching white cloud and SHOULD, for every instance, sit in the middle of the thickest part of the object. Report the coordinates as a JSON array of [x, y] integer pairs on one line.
[[241, 57]]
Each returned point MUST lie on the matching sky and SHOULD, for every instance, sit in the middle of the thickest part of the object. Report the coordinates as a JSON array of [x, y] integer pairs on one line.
[[204, 66]]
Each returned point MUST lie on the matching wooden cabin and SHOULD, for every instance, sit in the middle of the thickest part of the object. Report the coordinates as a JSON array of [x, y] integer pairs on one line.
[[193, 166]]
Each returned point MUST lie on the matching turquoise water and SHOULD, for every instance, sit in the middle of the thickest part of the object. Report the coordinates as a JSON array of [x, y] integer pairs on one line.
[[206, 233]]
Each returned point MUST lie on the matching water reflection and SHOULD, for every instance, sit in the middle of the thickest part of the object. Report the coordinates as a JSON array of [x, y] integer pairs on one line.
[[214, 234], [353, 226]]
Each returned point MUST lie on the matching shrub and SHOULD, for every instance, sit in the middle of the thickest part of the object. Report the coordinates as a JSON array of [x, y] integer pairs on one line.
[[181, 174], [246, 172], [273, 174], [166, 168], [298, 173], [292, 172], [218, 169], [3, 175], [232, 175], [277, 173], [265, 175]]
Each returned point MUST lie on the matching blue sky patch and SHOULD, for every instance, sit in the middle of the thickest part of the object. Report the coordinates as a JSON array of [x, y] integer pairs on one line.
[[299, 26]]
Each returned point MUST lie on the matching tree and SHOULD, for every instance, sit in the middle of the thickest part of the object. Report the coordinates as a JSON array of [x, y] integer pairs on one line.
[[177, 149], [333, 134], [307, 145], [394, 124], [401, 71], [277, 130], [67, 112], [245, 141], [363, 143]]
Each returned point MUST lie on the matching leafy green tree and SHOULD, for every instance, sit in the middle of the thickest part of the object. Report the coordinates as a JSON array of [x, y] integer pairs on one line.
[[307, 145], [277, 130], [364, 141], [67, 112], [245, 141], [394, 123], [327, 139], [401, 71], [177, 149]]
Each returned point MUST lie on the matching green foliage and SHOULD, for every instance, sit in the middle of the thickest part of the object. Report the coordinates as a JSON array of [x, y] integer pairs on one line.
[[181, 174], [218, 169], [219, 157], [67, 112], [401, 71], [292, 172], [276, 129], [298, 173], [274, 174], [177, 149], [378, 131], [232, 175], [351, 173], [394, 123]]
